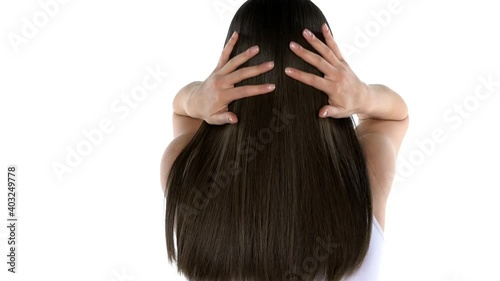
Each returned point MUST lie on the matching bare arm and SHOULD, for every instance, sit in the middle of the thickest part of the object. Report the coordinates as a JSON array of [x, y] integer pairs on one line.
[[182, 122], [385, 114], [383, 103], [382, 126]]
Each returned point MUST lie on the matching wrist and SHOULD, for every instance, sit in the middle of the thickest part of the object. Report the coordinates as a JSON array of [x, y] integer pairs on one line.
[[367, 101], [182, 100], [187, 99]]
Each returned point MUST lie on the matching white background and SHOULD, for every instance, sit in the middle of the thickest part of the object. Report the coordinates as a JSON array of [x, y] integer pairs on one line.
[[104, 219]]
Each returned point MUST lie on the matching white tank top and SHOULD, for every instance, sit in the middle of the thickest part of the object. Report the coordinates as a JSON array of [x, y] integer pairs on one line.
[[370, 268]]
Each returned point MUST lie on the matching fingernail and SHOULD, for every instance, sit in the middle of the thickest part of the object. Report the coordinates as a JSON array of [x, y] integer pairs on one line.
[[271, 87], [308, 34], [294, 45], [270, 64], [230, 119], [324, 113], [234, 33], [288, 70], [326, 26], [254, 49]]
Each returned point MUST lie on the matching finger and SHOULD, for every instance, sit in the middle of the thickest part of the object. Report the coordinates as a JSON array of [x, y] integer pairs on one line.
[[333, 112], [331, 42], [325, 51], [239, 60], [313, 59], [223, 118], [226, 52], [246, 91], [310, 79], [248, 72]]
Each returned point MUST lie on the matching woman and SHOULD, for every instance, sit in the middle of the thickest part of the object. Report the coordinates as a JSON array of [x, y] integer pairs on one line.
[[267, 177]]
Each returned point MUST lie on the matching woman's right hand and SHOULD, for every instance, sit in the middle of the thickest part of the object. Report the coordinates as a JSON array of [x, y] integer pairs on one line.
[[209, 100]]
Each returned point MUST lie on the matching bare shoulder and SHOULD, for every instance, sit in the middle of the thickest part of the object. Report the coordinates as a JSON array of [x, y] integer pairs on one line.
[[381, 140], [170, 154]]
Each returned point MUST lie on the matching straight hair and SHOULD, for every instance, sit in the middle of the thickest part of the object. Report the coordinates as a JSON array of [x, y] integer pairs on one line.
[[282, 194]]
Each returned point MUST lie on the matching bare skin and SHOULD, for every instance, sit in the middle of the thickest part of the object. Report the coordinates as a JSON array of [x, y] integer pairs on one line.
[[383, 115]]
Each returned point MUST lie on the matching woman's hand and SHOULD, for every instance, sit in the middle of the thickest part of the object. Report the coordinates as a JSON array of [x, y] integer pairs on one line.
[[209, 100], [346, 92]]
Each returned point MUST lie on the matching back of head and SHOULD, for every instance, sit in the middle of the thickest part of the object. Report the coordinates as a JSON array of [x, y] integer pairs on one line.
[[282, 194]]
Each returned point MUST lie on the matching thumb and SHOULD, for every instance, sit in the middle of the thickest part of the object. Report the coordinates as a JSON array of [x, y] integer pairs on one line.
[[223, 118], [333, 112]]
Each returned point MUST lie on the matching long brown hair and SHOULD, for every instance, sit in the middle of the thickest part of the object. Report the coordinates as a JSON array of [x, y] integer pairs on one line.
[[282, 194]]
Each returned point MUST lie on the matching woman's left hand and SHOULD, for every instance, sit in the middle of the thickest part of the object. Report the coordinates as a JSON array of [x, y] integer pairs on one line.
[[347, 94]]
